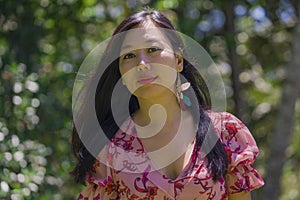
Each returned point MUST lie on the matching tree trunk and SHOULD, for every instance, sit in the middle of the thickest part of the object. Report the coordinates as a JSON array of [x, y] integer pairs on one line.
[[284, 127], [230, 33]]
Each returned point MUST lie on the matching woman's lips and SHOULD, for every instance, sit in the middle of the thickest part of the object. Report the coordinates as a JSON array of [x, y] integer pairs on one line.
[[146, 80]]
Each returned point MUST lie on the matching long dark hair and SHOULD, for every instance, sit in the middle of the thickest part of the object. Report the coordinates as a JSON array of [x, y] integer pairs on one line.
[[216, 156]]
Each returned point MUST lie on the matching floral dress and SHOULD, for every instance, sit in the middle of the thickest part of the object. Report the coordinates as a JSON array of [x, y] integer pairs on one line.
[[131, 174]]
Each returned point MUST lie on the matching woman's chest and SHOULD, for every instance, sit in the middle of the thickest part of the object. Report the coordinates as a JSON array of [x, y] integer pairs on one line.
[[152, 184]]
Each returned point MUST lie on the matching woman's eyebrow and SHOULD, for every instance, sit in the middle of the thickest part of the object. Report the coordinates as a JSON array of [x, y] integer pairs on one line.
[[128, 46]]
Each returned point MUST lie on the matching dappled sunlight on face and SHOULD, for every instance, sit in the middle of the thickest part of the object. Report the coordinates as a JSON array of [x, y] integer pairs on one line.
[[147, 61]]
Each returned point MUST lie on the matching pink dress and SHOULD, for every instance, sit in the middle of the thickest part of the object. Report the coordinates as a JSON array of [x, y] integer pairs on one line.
[[131, 174]]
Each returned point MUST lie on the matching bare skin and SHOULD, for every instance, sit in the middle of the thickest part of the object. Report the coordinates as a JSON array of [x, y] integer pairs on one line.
[[241, 195], [163, 138]]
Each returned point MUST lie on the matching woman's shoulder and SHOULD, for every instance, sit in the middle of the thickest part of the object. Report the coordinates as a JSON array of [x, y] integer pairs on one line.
[[225, 121], [241, 150], [233, 133], [220, 115]]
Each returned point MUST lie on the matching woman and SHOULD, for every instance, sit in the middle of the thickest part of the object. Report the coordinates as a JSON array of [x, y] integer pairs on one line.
[[158, 150]]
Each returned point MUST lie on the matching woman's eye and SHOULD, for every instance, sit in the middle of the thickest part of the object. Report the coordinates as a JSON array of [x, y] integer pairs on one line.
[[128, 56], [153, 49]]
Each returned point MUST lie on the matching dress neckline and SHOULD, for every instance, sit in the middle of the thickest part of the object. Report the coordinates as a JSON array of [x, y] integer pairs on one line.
[[154, 166]]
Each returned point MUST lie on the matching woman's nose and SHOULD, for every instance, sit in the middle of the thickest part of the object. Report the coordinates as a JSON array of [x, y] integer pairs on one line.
[[143, 63]]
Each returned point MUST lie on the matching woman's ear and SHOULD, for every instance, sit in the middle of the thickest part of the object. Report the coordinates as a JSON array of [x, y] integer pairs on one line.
[[179, 60]]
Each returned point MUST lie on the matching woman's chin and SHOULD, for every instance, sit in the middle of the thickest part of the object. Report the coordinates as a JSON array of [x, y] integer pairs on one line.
[[150, 91]]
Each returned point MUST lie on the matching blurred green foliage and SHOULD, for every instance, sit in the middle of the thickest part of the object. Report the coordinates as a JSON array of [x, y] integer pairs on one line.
[[43, 42]]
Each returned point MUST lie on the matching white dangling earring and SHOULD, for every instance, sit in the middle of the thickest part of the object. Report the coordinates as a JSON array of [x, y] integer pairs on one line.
[[182, 99]]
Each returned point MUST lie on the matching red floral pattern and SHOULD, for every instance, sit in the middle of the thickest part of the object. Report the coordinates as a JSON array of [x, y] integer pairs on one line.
[[132, 178]]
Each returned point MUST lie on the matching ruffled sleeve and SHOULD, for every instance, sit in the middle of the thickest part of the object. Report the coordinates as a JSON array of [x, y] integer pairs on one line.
[[100, 184], [242, 151]]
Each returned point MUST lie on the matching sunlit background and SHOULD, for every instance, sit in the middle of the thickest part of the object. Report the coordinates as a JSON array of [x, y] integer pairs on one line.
[[43, 43]]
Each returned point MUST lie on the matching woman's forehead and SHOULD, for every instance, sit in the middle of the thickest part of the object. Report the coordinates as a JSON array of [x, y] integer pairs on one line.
[[142, 37]]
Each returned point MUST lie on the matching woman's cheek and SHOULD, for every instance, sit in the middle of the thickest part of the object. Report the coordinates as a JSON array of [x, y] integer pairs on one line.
[[129, 80], [125, 67], [167, 76]]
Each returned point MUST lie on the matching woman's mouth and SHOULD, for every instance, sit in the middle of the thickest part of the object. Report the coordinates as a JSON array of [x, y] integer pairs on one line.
[[146, 80]]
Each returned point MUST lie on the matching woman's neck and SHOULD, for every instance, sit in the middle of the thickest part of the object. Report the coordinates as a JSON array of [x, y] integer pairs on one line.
[[156, 110], [161, 123]]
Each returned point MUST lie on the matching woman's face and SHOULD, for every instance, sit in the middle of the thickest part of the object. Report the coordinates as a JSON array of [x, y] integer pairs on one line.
[[148, 64]]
